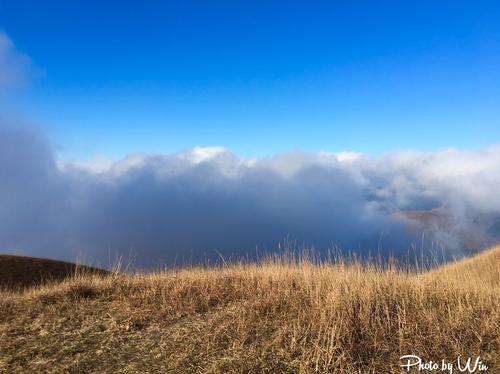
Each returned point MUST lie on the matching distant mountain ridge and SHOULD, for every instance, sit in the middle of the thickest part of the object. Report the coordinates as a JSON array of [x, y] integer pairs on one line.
[[465, 231]]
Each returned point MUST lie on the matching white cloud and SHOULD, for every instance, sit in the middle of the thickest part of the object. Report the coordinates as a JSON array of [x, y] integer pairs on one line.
[[202, 154], [14, 65]]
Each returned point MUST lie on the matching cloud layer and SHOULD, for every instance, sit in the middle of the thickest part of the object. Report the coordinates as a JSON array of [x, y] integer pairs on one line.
[[186, 206]]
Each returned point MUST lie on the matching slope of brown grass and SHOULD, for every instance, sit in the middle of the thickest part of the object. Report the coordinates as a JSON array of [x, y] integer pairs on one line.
[[17, 272], [274, 317]]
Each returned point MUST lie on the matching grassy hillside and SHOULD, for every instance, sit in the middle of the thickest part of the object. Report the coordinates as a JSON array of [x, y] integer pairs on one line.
[[17, 272], [278, 316]]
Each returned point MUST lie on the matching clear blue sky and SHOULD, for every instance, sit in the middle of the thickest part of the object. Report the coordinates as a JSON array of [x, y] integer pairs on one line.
[[260, 77]]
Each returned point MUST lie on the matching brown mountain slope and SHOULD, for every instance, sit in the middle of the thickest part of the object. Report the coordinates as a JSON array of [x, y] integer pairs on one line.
[[483, 269], [21, 271], [451, 229]]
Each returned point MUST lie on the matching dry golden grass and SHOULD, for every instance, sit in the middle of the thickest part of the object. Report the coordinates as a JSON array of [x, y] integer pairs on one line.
[[277, 316]]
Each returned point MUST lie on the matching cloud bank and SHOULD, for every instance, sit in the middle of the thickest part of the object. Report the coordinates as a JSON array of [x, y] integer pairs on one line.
[[196, 203]]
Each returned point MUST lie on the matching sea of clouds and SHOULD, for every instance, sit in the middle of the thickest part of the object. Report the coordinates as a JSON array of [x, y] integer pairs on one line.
[[191, 205]]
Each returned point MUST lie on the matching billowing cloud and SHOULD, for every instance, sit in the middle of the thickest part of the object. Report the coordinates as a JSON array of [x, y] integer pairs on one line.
[[196, 203]]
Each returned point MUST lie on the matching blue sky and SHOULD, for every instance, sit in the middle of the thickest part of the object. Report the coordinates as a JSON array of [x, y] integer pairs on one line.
[[259, 77]]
